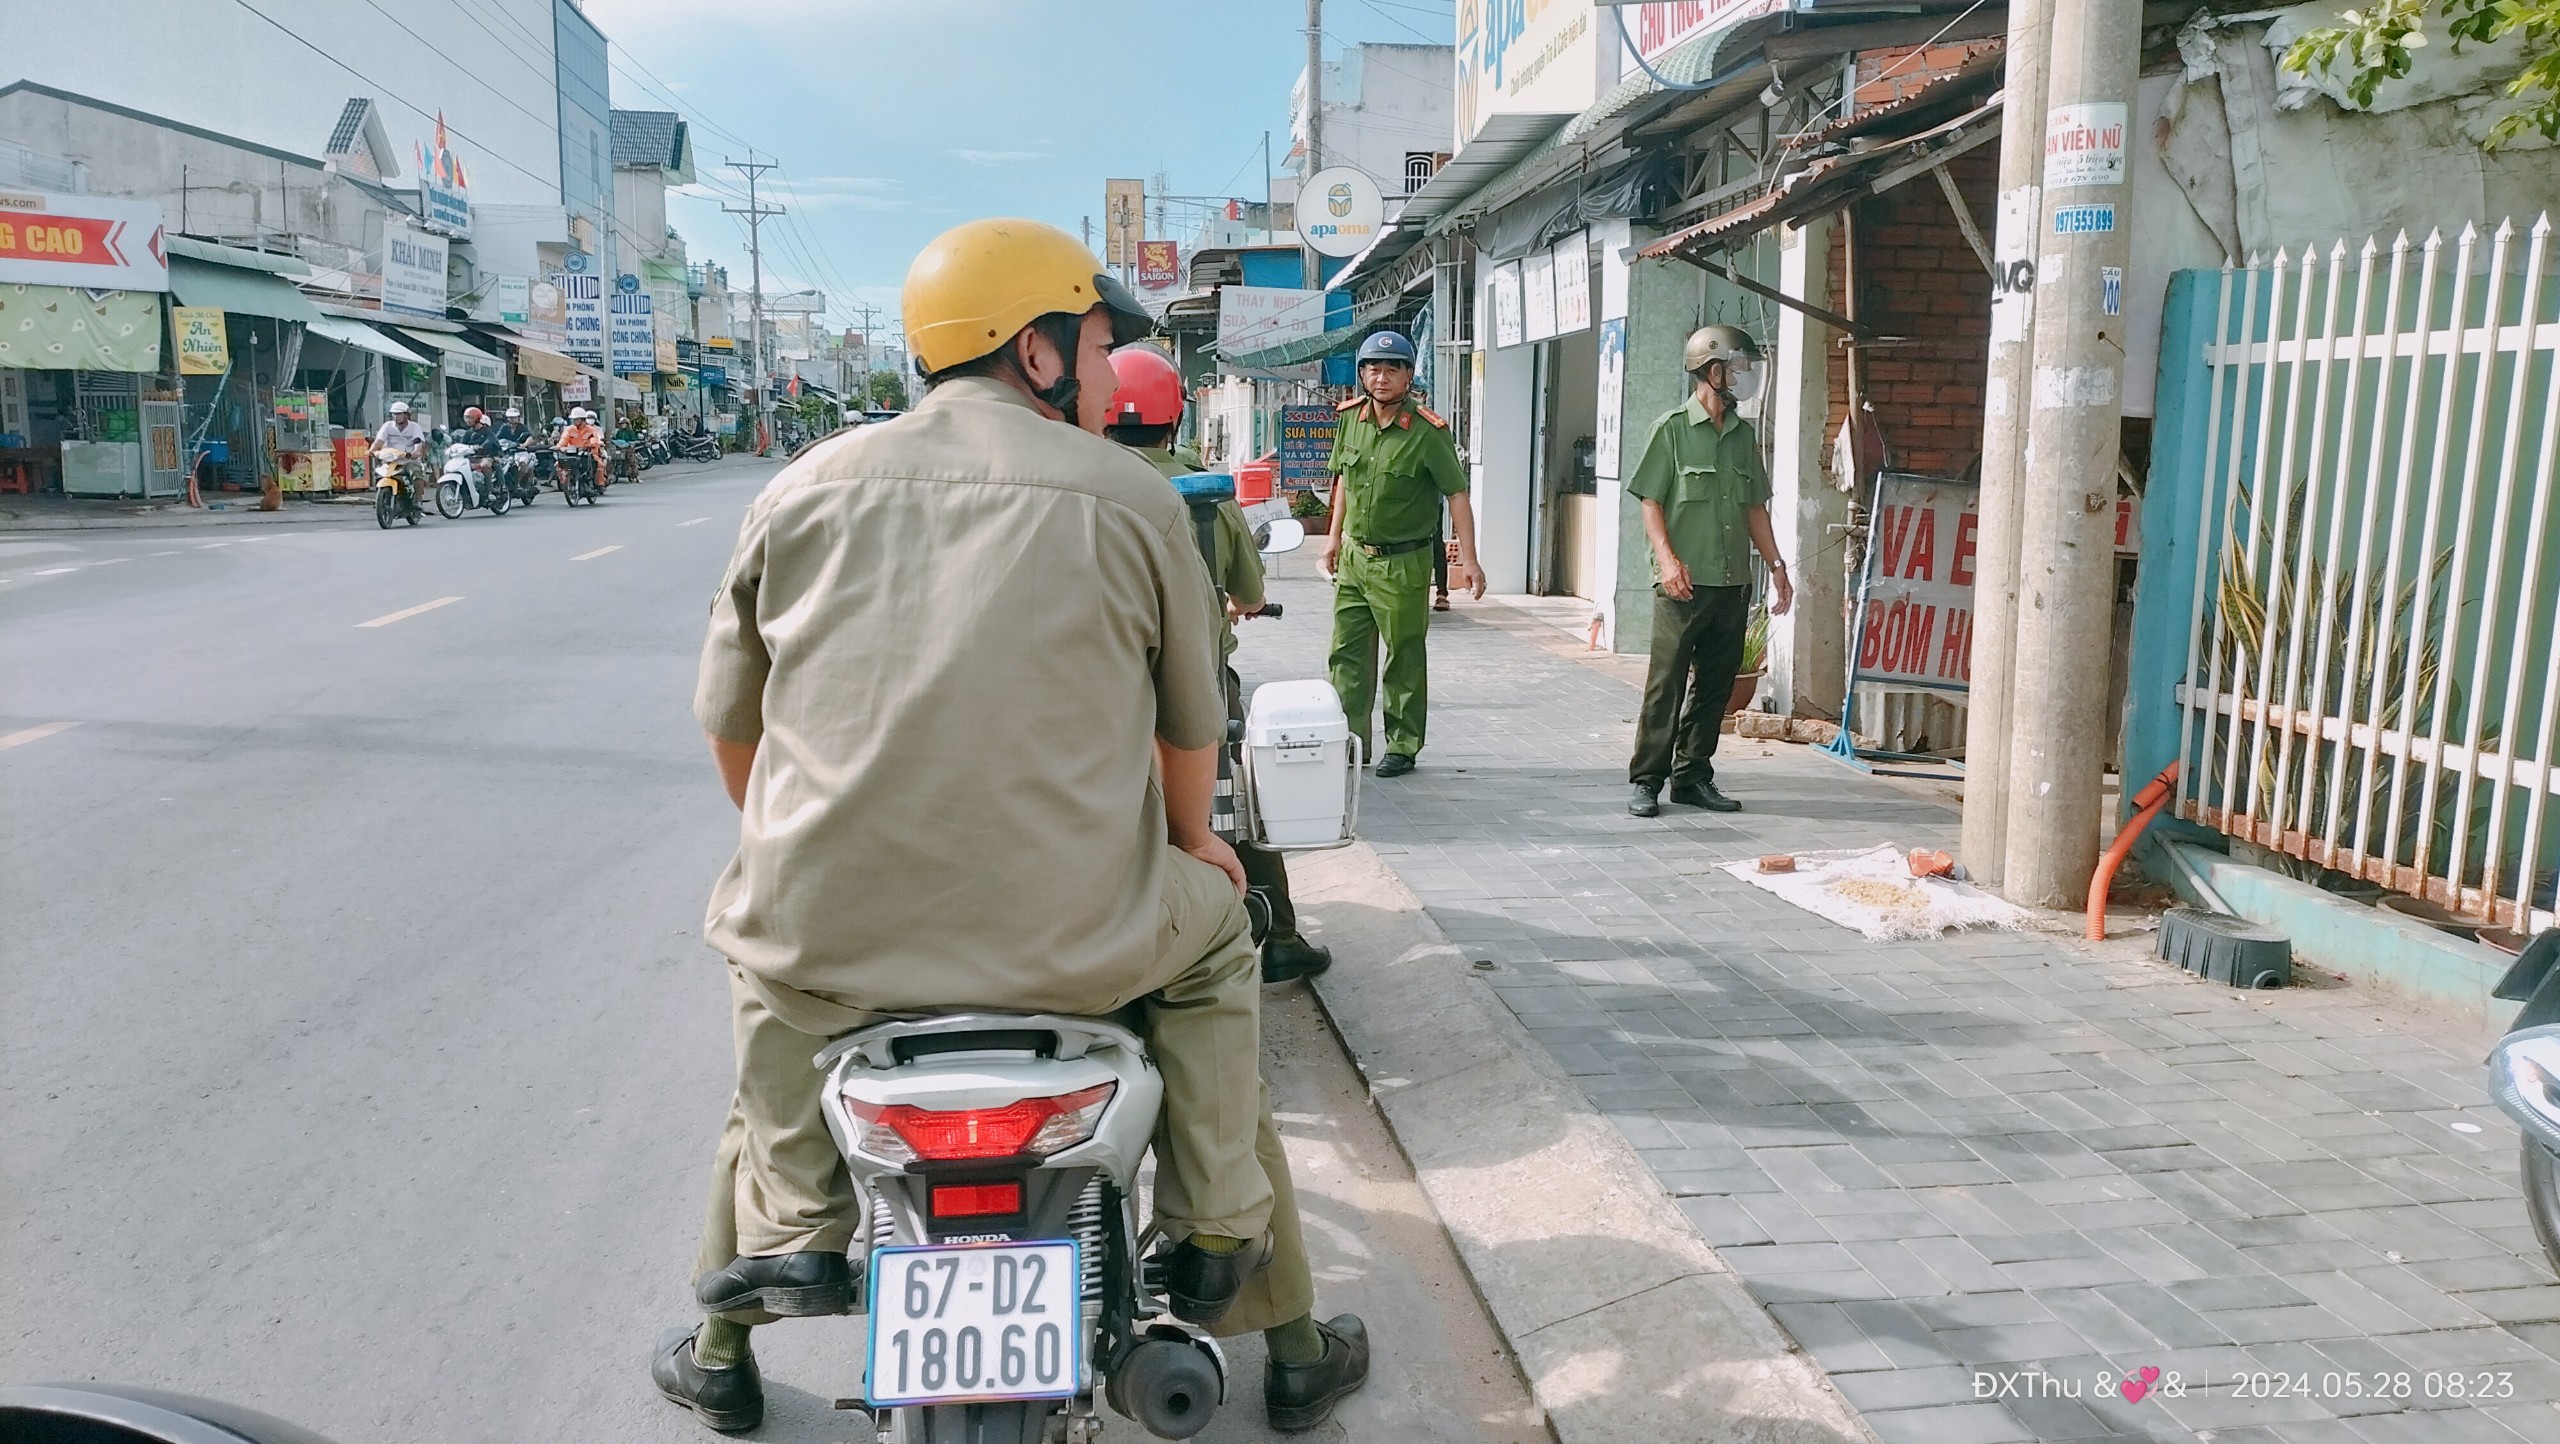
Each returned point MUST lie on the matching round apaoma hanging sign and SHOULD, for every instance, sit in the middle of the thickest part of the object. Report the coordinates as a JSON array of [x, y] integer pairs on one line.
[[1339, 211]]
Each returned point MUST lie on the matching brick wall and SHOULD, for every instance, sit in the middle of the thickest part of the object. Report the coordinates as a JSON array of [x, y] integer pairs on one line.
[[1920, 281]]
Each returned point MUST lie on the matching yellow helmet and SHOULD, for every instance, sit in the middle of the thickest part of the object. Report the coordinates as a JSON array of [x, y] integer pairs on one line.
[[975, 285]]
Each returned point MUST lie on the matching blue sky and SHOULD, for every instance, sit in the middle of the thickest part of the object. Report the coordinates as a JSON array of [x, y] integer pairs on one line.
[[894, 119]]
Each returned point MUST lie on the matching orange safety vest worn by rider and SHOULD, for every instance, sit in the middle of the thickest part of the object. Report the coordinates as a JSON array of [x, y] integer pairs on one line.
[[583, 436]]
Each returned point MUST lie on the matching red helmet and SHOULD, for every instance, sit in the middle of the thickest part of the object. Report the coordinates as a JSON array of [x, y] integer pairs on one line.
[[1150, 390], [474, 415]]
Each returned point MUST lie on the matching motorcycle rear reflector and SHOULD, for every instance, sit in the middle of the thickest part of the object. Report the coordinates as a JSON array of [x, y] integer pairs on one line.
[[976, 1200], [1036, 1127]]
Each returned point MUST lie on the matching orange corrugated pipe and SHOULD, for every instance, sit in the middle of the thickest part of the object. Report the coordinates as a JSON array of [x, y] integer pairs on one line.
[[2148, 804]]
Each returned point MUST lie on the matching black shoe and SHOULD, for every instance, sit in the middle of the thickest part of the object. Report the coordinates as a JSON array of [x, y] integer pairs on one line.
[[1704, 794], [1301, 1396], [1643, 801], [729, 1400], [1201, 1286], [1287, 956], [1395, 764], [786, 1285]]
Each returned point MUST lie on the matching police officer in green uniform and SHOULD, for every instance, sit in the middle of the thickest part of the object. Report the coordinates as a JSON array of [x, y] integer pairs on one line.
[[1145, 411], [1706, 505], [1392, 462]]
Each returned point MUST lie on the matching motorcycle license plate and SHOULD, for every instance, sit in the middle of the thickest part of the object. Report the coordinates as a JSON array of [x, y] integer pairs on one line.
[[977, 1323]]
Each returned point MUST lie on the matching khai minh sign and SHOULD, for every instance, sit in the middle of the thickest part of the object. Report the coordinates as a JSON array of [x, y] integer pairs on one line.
[[103, 245], [413, 266]]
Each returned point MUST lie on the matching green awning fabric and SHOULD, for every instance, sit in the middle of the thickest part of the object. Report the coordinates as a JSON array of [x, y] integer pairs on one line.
[[1315, 348], [61, 328], [462, 360], [237, 290], [358, 334]]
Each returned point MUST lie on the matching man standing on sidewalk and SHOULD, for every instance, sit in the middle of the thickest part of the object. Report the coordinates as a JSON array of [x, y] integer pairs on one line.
[[1706, 504], [1392, 462]]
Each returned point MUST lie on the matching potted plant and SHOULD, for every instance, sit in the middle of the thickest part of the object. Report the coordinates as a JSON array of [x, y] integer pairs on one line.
[[1755, 660]]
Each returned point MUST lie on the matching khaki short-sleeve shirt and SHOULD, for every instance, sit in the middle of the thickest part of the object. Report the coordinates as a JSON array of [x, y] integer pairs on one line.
[[954, 638]]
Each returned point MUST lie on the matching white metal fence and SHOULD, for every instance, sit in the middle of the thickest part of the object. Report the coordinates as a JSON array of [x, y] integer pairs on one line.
[[2371, 677]]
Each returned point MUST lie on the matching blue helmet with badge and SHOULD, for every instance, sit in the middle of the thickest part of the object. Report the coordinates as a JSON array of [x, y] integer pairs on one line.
[[1390, 346]]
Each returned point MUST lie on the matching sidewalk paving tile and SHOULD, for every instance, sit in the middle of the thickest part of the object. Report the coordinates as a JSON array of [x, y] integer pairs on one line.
[[1979, 1154]]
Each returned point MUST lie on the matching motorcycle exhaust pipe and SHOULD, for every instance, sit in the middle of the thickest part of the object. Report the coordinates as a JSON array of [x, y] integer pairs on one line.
[[1171, 1384]]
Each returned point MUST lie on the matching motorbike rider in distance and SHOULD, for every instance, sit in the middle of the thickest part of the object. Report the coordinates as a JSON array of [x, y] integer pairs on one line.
[[512, 432], [482, 438], [1071, 670], [403, 431], [584, 435]]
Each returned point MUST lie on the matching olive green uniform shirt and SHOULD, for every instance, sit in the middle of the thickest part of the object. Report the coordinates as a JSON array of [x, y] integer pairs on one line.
[[1394, 475], [1237, 573], [1706, 477], [955, 637]]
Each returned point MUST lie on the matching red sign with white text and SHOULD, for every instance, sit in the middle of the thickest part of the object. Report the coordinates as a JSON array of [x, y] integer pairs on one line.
[[1915, 627], [1159, 264], [89, 241]]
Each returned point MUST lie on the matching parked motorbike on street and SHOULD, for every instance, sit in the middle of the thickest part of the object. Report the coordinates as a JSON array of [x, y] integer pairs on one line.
[[579, 479], [2524, 1079], [398, 480], [704, 447], [1008, 1282], [471, 481]]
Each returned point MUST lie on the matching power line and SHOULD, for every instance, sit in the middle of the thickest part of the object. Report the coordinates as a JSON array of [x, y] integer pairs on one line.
[[485, 148]]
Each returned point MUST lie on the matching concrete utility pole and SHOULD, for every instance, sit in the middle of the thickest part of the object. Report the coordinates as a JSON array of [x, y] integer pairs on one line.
[[1313, 270], [2066, 567], [870, 315], [755, 213], [2004, 436]]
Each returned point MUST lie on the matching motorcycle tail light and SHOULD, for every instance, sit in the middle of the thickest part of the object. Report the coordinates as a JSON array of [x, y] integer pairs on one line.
[[1036, 1127], [975, 1200]]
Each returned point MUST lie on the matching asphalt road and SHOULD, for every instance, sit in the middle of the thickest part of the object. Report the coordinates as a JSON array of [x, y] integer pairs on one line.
[[359, 1059]]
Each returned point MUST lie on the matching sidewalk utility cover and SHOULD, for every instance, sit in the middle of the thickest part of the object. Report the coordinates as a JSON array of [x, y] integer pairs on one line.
[[1873, 892]]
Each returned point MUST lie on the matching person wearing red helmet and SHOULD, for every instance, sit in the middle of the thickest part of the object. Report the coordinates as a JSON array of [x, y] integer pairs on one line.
[[1145, 412]]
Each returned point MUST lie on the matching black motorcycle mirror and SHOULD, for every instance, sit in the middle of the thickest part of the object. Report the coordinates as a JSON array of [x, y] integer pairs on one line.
[[113, 1414], [1281, 534]]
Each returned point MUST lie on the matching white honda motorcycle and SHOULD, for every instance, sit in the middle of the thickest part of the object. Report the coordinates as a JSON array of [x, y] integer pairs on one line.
[[1008, 1282]]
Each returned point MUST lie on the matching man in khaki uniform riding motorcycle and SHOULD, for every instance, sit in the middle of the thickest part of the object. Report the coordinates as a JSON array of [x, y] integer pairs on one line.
[[962, 681]]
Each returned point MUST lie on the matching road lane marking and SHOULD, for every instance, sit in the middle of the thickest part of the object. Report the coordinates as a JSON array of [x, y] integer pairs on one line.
[[598, 552], [406, 613], [697, 521], [54, 571], [34, 734], [111, 561], [208, 546]]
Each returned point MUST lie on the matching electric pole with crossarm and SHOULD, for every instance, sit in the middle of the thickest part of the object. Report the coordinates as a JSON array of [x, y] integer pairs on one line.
[[755, 213]]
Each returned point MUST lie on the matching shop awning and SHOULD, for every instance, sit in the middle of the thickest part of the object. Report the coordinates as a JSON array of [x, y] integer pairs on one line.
[[1304, 349], [238, 290], [544, 365], [364, 337], [63, 328], [1833, 181], [462, 360]]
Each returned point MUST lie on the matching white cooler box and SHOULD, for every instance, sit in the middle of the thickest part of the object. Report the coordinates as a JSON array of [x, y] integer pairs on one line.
[[1301, 783]]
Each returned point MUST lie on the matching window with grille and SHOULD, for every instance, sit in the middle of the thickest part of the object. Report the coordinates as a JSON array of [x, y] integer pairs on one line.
[[1418, 166]]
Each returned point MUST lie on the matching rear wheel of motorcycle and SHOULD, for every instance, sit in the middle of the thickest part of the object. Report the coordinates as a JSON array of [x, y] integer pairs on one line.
[[383, 506], [499, 500], [2541, 1169], [449, 499]]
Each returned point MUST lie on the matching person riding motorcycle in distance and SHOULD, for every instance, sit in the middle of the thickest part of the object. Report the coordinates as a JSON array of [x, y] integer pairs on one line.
[[512, 432], [481, 437], [961, 680], [403, 431], [1145, 411], [584, 435]]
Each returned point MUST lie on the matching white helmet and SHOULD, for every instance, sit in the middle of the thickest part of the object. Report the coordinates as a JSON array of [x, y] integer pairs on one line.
[[399, 408], [515, 413]]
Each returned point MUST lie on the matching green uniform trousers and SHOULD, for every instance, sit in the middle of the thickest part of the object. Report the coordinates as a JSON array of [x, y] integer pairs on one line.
[[778, 1185], [1697, 650], [1382, 599]]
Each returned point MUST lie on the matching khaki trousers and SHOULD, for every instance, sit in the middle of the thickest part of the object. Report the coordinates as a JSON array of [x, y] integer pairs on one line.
[[778, 1185]]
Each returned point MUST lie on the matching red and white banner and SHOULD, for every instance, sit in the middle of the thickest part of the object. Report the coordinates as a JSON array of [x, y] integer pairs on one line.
[[1915, 620], [88, 241], [1159, 264]]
